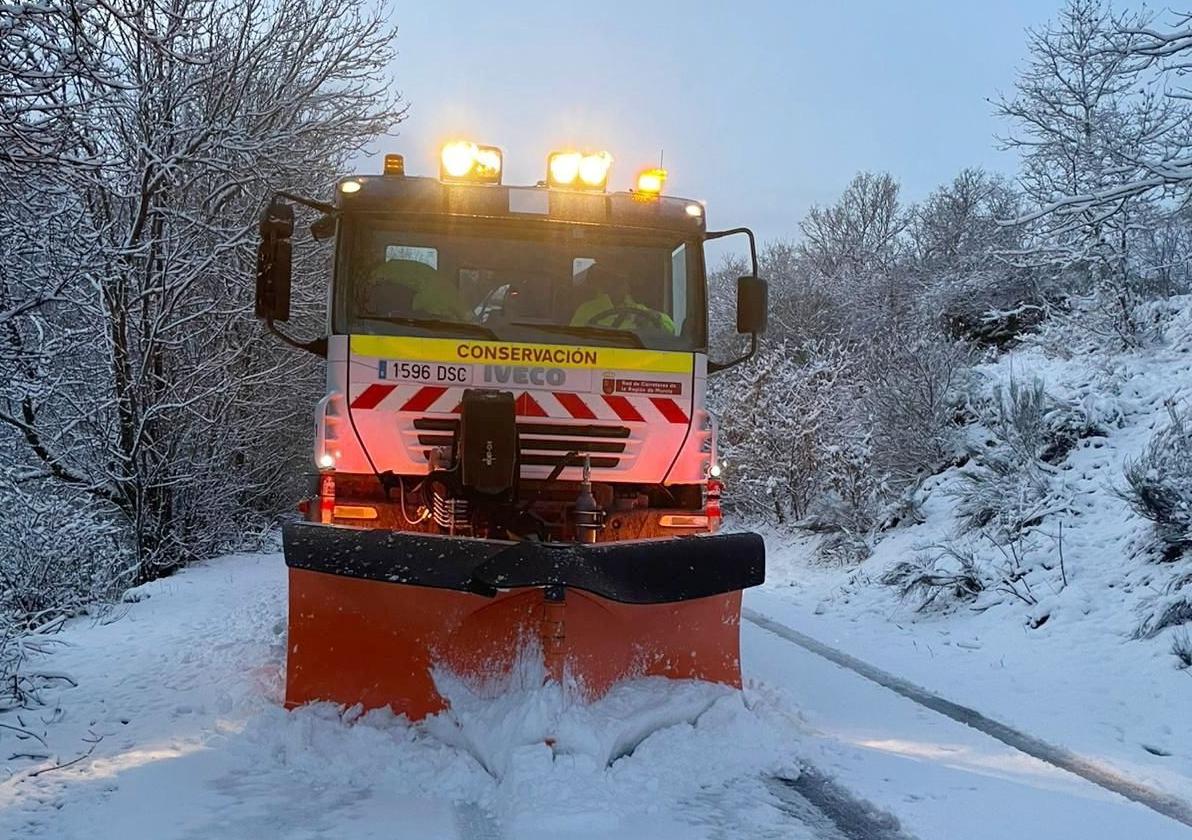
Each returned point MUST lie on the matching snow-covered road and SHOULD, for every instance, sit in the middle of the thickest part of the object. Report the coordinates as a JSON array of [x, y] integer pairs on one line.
[[1093, 769], [180, 695], [940, 778]]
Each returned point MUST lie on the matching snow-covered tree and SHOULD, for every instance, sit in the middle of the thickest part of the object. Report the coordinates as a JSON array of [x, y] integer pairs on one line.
[[1156, 59], [142, 141], [958, 242], [859, 233], [1092, 127]]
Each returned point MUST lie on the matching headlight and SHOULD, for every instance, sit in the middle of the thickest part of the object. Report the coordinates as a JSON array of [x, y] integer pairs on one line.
[[488, 161], [463, 160], [457, 158], [564, 167], [578, 170], [593, 169]]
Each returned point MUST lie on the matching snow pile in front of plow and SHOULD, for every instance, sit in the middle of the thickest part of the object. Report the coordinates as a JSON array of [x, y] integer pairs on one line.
[[489, 717], [651, 756], [560, 762]]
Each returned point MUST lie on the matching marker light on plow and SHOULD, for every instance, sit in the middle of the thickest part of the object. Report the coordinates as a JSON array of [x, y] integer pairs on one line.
[[326, 498]]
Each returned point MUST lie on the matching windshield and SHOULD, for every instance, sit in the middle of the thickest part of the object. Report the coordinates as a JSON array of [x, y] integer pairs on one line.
[[562, 284]]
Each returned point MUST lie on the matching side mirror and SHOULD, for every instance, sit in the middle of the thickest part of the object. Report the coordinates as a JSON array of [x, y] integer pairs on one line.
[[323, 227], [753, 299], [753, 296], [274, 261]]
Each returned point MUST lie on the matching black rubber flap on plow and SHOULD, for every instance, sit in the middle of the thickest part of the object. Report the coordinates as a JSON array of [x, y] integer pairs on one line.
[[657, 571]]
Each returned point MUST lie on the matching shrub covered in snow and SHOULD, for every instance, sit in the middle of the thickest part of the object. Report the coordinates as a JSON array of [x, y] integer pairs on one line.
[[1023, 433], [912, 388], [947, 573], [60, 553], [1159, 483], [779, 417], [833, 437], [1181, 649]]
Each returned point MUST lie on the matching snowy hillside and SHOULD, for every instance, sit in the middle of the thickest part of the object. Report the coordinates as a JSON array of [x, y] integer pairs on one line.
[[1058, 629]]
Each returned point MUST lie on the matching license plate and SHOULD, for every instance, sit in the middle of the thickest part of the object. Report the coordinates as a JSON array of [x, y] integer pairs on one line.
[[430, 373]]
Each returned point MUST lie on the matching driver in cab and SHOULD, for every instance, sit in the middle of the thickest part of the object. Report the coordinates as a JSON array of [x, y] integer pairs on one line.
[[606, 302]]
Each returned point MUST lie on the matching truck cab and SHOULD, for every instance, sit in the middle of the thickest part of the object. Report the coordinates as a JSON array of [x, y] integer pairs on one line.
[[586, 309], [514, 449]]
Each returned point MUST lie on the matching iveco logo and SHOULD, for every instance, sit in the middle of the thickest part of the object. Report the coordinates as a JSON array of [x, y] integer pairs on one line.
[[488, 453], [554, 377]]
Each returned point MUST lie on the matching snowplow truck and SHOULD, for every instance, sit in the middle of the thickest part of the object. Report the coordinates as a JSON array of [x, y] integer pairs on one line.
[[514, 452]]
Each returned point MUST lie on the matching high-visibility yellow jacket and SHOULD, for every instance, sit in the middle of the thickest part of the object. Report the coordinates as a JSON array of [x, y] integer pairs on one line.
[[586, 311], [433, 296]]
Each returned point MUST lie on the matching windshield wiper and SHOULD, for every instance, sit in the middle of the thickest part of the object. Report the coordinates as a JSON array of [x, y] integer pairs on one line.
[[433, 324], [634, 339]]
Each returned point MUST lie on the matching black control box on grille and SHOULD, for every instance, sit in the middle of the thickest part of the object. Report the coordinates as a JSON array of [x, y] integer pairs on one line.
[[488, 447]]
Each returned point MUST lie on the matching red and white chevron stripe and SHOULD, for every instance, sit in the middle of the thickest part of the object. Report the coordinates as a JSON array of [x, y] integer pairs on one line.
[[555, 404]]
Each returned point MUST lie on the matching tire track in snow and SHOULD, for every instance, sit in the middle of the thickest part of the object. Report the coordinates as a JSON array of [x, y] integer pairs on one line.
[[1158, 801], [831, 811]]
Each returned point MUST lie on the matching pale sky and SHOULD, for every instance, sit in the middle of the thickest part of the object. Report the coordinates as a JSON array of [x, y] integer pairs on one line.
[[763, 108]]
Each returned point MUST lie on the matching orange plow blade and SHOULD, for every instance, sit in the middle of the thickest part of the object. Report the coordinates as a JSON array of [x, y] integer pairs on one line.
[[372, 614]]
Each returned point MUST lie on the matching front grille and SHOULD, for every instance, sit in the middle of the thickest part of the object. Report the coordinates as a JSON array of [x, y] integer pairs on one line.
[[533, 459], [542, 444]]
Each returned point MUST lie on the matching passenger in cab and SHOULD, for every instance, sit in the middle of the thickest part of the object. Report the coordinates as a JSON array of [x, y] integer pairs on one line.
[[410, 287]]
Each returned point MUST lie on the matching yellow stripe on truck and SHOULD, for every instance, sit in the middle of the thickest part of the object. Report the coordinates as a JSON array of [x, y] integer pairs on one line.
[[466, 351]]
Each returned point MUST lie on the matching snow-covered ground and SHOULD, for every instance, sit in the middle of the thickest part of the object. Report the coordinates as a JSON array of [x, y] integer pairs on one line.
[[175, 731], [182, 694]]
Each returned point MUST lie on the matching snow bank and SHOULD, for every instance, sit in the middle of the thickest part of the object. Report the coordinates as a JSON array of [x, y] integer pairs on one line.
[[1058, 652]]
